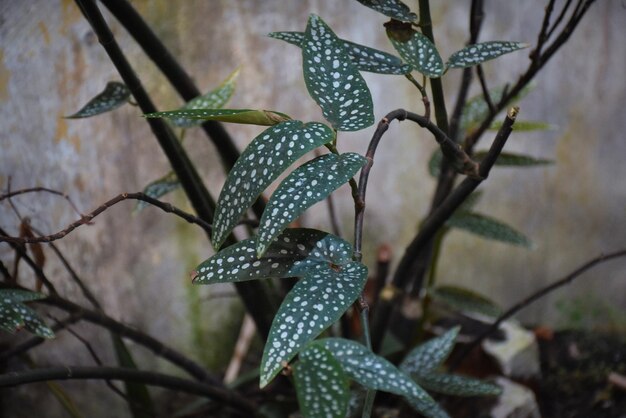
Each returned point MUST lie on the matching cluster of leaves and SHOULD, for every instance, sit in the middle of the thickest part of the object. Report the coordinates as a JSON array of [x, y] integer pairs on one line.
[[330, 280]]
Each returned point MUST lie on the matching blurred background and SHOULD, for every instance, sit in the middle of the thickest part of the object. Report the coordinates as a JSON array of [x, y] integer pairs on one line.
[[139, 264]]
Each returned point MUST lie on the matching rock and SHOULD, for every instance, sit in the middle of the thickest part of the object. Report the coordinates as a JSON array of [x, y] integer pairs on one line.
[[516, 401], [517, 354]]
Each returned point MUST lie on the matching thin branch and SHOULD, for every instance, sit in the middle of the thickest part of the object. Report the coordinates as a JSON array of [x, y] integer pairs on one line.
[[13, 193], [485, 89], [21, 251], [228, 397], [86, 219], [534, 67], [178, 78], [406, 269], [533, 298], [559, 19], [197, 193], [96, 358], [124, 331], [436, 87], [542, 37]]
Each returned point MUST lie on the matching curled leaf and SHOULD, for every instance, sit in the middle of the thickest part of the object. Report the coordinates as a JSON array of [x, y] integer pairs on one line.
[[243, 116], [478, 53], [416, 49], [394, 9], [159, 188], [114, 95], [487, 227], [215, 99]]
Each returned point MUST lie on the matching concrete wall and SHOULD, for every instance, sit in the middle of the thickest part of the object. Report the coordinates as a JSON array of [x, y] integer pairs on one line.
[[138, 265]]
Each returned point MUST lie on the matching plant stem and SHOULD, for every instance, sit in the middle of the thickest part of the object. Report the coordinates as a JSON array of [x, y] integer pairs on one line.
[[256, 296], [441, 115], [228, 397]]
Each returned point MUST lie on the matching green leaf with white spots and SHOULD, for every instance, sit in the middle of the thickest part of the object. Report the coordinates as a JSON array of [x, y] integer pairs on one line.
[[214, 99], [267, 156], [321, 384], [114, 95], [242, 116], [159, 188], [365, 58], [427, 357], [478, 53], [330, 282], [333, 81], [507, 159], [394, 9], [525, 126], [465, 300], [308, 184], [476, 109], [487, 227], [377, 373], [14, 314], [416, 49], [454, 385]]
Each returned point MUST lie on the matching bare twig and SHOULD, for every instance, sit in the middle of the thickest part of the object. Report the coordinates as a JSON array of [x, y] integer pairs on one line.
[[124, 331], [13, 193], [228, 397], [21, 251], [241, 349], [95, 358], [533, 298], [86, 219], [485, 89]]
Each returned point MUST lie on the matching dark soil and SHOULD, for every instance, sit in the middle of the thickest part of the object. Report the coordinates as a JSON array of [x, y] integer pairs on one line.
[[575, 367]]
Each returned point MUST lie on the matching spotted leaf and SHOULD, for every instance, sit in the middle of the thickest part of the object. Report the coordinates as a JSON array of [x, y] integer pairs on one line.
[[160, 187], [427, 357], [214, 99], [321, 384], [376, 373], [267, 156], [454, 385], [478, 53], [316, 301], [114, 95], [507, 159], [363, 57], [333, 81], [394, 9], [305, 186], [15, 315], [487, 227], [243, 116], [465, 300], [417, 50]]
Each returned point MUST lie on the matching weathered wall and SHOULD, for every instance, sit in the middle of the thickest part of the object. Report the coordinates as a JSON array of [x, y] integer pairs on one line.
[[51, 63]]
